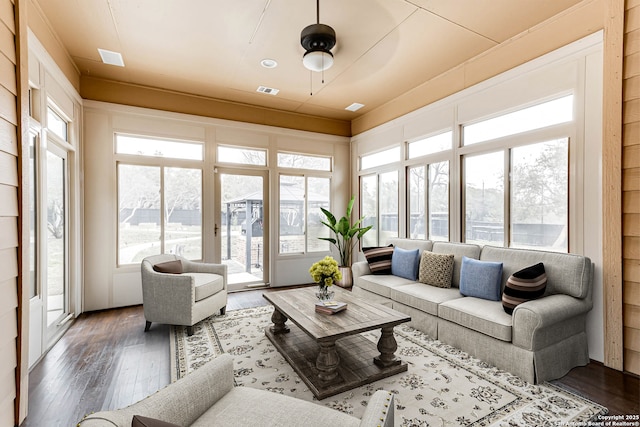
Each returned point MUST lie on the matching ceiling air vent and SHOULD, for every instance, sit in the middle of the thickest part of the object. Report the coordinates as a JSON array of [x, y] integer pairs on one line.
[[268, 90]]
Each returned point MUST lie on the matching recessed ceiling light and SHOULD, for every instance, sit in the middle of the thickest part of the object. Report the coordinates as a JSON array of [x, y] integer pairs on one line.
[[269, 63], [354, 107], [111, 58]]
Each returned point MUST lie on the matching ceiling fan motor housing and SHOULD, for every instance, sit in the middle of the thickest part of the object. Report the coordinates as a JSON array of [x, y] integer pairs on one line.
[[318, 37]]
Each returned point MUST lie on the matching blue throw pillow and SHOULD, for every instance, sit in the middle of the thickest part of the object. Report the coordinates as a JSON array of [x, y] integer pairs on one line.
[[405, 263], [480, 279]]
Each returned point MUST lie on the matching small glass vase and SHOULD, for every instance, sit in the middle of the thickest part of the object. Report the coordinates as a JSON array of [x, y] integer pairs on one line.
[[324, 294]]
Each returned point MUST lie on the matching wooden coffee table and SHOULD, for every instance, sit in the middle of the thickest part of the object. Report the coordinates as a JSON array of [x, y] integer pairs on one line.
[[327, 351]]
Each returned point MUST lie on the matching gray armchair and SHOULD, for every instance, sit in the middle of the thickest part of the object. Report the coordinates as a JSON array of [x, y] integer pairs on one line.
[[190, 292], [207, 397]]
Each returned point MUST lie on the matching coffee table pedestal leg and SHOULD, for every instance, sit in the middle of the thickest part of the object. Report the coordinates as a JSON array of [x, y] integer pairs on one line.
[[278, 320], [387, 347], [327, 361]]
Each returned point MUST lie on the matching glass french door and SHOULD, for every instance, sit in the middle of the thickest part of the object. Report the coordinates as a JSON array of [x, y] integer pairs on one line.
[[241, 226], [49, 244], [55, 238]]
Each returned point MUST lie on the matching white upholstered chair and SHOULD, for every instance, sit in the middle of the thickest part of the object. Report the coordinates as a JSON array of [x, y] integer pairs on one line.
[[177, 291]]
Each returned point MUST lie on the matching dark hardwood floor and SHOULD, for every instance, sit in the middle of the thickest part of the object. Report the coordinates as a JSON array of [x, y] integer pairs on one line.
[[107, 361]]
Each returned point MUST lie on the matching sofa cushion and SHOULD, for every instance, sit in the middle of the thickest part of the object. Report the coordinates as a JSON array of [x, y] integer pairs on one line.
[[480, 315], [207, 284], [524, 285], [382, 284], [424, 298], [379, 259], [171, 267], [480, 279], [458, 250], [436, 269], [140, 421], [405, 263], [245, 406]]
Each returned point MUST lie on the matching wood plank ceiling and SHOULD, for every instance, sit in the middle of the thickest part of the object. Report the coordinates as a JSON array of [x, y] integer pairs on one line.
[[213, 48]]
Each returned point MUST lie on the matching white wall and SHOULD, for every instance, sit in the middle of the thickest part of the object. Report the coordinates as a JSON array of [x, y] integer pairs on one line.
[[106, 285], [576, 68]]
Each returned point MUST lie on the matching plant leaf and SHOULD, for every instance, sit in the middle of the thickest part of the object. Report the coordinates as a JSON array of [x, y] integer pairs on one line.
[[350, 206], [343, 226], [328, 239], [330, 217]]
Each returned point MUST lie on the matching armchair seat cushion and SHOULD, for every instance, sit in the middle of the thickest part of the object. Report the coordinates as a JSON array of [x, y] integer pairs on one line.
[[206, 284], [245, 406]]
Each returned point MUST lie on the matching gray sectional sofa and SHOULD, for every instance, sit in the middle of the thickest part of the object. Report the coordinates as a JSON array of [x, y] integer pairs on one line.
[[542, 340]]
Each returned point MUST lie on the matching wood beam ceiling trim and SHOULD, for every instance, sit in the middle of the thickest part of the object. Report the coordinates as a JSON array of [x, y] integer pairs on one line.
[[146, 97]]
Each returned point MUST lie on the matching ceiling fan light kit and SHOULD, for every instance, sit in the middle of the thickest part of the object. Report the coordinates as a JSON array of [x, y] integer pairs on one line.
[[317, 60]]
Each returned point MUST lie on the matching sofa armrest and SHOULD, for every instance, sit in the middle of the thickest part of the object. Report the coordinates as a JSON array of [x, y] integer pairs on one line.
[[535, 320], [181, 402], [379, 411], [359, 269]]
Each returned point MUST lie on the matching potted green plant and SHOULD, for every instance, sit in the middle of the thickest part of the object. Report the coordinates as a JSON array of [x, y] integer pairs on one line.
[[346, 237]]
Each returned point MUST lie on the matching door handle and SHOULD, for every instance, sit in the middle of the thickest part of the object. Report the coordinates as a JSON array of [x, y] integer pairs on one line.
[[215, 230]]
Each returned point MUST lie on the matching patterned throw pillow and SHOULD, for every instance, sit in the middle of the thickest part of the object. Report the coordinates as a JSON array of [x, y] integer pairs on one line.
[[480, 279], [524, 285], [436, 269], [379, 259]]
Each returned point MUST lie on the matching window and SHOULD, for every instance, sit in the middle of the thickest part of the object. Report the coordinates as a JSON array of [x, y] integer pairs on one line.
[[438, 193], [430, 145], [243, 156], [159, 205], [540, 196], [382, 158], [527, 119], [155, 218], [369, 209], [57, 125], [139, 223], [153, 147], [183, 212], [538, 201], [484, 198], [416, 202], [299, 161], [300, 226], [379, 206], [430, 220]]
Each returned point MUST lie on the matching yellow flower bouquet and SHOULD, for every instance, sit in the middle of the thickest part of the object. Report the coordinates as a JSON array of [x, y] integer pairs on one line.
[[325, 273]]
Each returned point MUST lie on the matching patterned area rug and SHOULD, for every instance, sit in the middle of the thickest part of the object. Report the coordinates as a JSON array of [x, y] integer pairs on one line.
[[443, 386]]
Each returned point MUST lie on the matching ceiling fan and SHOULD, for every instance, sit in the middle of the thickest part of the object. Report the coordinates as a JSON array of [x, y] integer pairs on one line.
[[318, 40]]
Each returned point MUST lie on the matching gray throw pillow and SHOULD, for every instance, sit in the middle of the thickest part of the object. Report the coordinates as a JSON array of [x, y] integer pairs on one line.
[[436, 269]]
